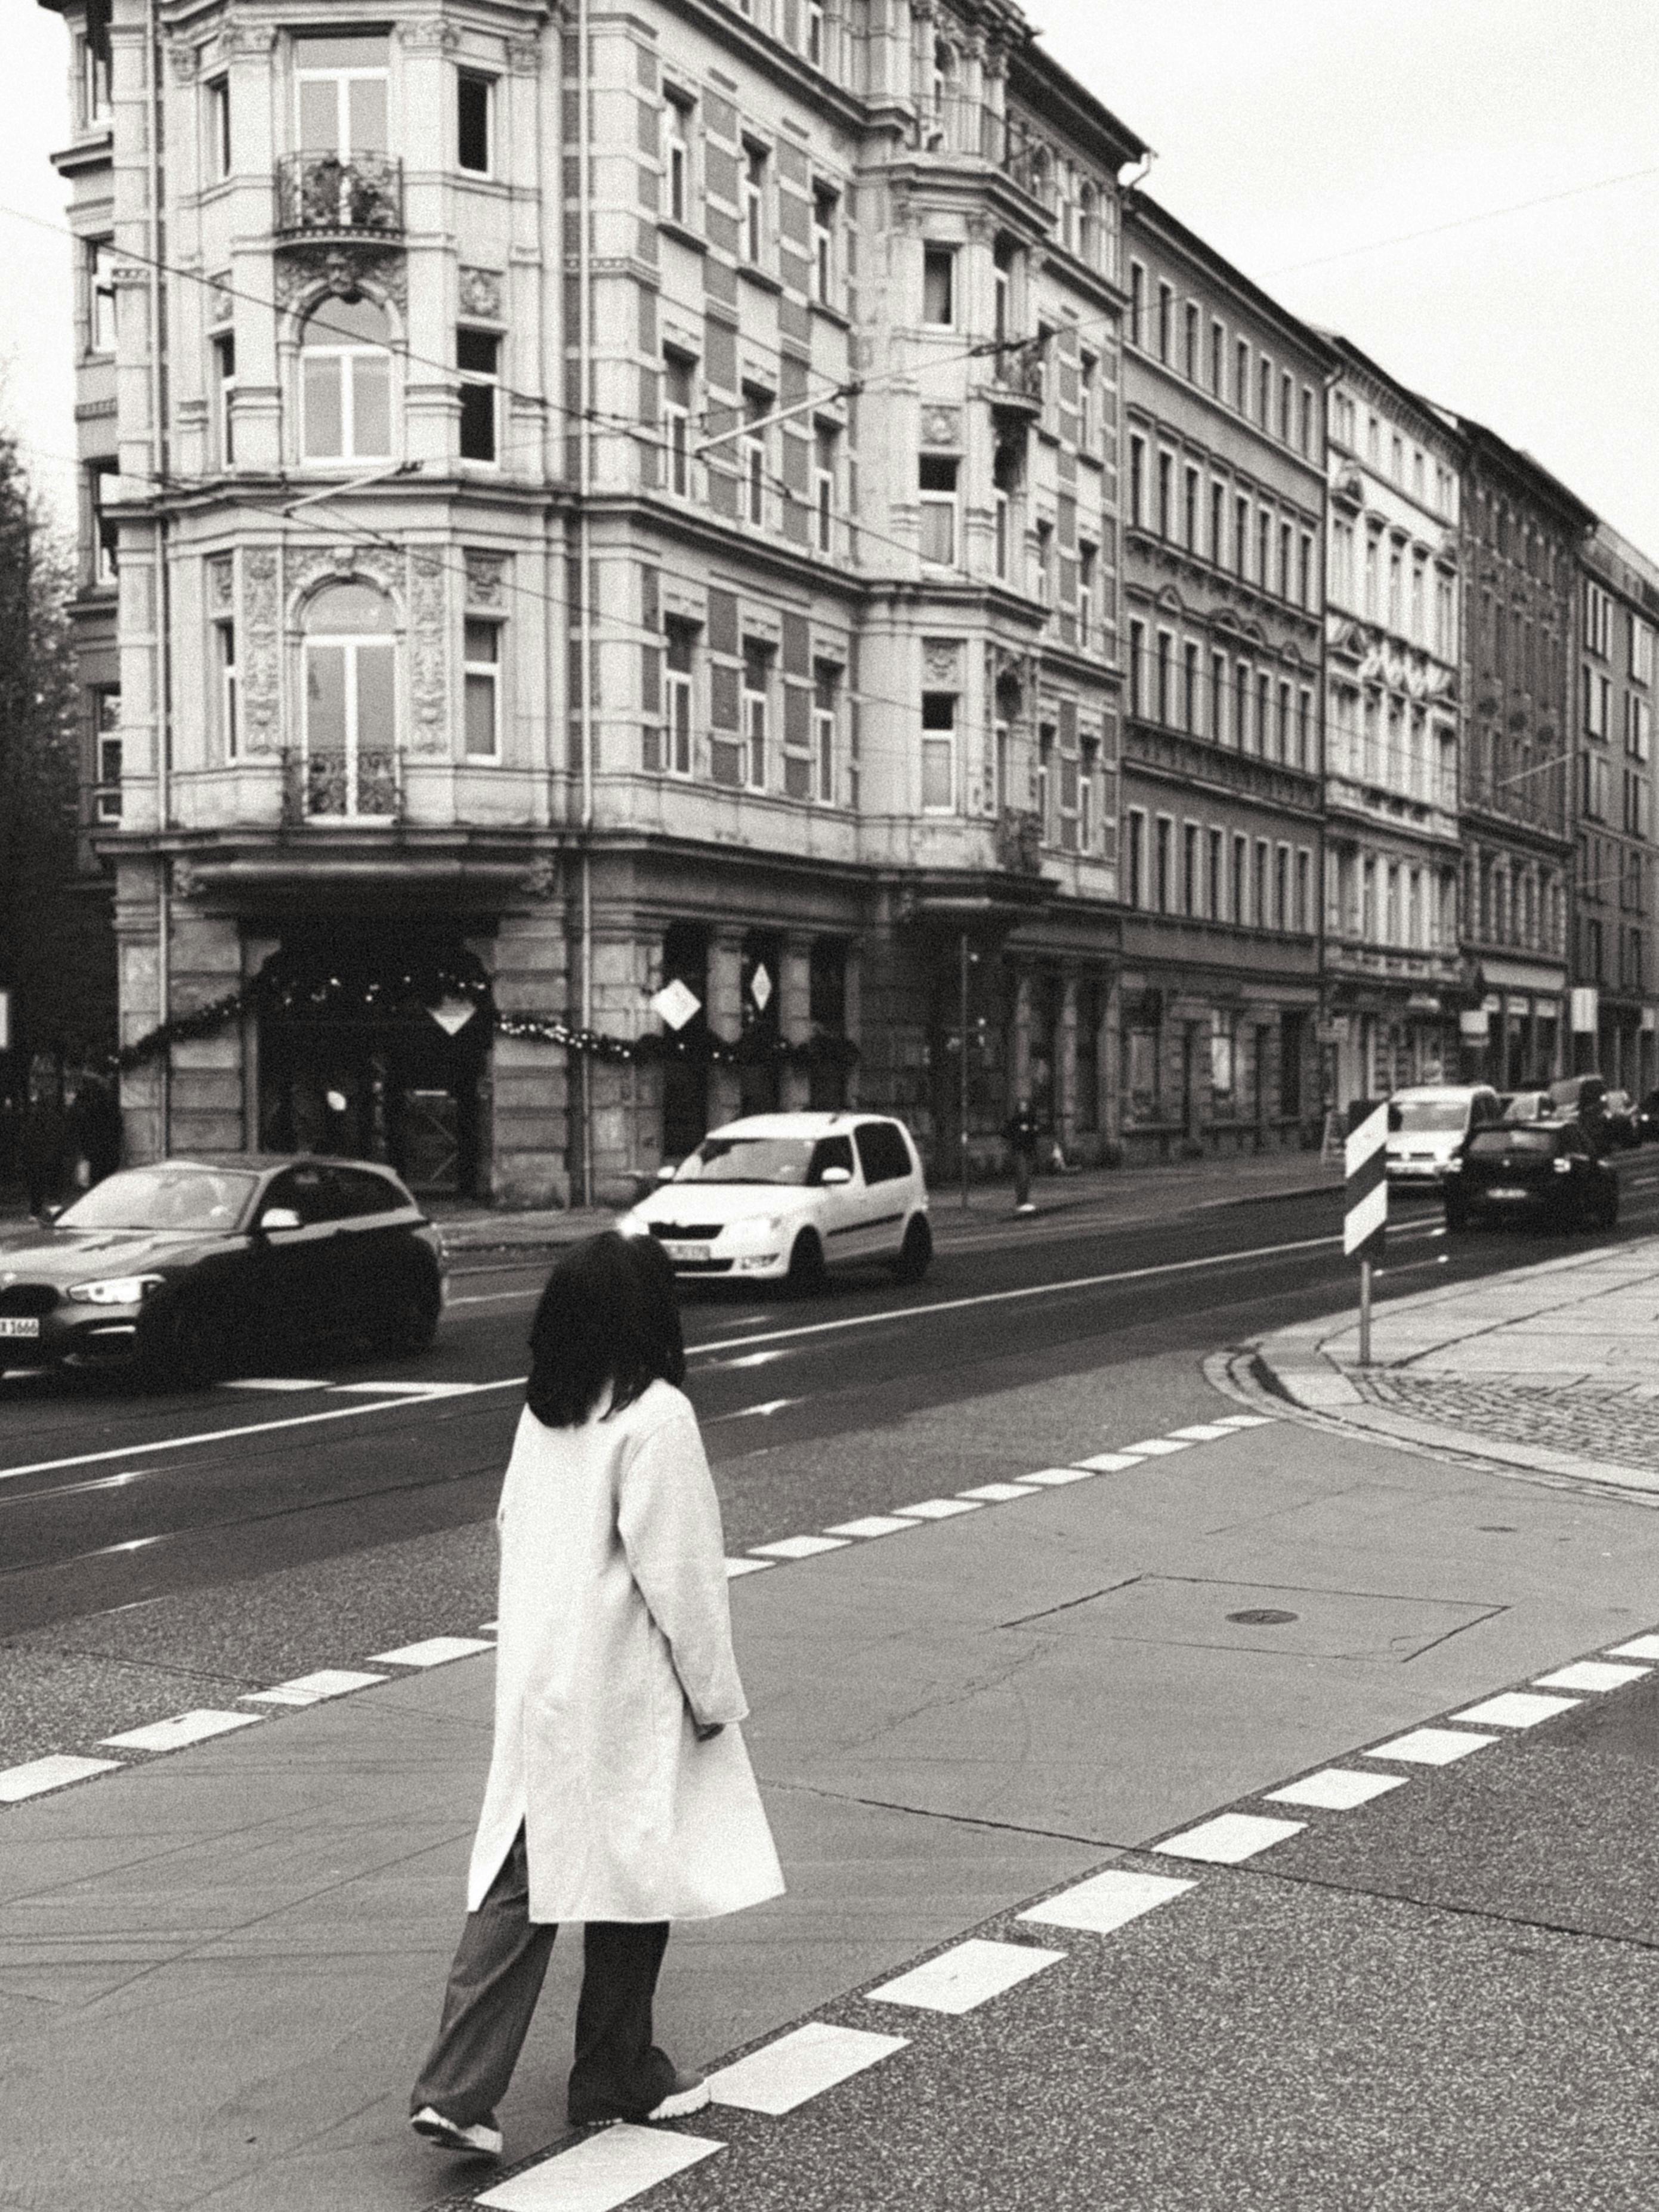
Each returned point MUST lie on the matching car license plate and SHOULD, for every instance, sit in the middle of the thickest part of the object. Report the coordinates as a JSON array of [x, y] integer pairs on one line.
[[9, 1327], [1508, 1190], [687, 1251]]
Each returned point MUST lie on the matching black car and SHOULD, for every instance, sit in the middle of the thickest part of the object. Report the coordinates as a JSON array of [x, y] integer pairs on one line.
[[1546, 1171], [183, 1272]]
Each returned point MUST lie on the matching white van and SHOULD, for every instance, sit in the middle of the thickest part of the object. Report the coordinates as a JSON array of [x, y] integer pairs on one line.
[[1427, 1127]]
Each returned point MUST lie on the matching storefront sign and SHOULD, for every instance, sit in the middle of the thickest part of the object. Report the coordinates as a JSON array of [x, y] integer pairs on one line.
[[676, 1003], [1474, 1022], [452, 1015], [1585, 1000]]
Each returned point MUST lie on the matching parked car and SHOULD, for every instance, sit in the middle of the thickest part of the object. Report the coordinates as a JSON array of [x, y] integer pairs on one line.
[[1582, 1098], [791, 1195], [1529, 1106], [1428, 1127], [180, 1272], [1545, 1171]]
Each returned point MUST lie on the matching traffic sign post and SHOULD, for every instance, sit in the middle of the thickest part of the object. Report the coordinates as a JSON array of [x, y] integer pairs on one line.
[[1365, 1204]]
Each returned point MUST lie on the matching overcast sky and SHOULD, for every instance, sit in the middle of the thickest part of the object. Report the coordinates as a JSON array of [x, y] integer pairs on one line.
[[1288, 132]]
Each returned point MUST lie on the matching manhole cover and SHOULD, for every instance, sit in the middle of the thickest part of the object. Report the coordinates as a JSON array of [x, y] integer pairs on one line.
[[1262, 1616]]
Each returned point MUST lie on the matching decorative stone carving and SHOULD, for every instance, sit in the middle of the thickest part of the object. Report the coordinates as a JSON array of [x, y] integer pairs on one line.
[[251, 38], [486, 585], [381, 565], [341, 270], [480, 293], [184, 61], [942, 426], [221, 305], [259, 675], [187, 882], [429, 655], [430, 34], [221, 582], [540, 878], [942, 658], [524, 56]]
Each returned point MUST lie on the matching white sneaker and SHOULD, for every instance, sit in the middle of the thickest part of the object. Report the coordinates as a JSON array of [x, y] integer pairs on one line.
[[482, 2138], [690, 2094]]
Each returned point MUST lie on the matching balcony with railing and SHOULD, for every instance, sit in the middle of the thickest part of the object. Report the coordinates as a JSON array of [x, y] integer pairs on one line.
[[954, 123], [334, 786], [323, 196]]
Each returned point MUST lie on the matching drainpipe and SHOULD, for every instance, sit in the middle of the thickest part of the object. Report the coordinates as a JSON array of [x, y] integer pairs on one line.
[[164, 595], [584, 359]]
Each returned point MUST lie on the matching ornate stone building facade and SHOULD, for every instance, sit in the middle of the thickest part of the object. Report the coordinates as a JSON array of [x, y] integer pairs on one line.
[[1393, 956], [1224, 584], [1521, 533], [1615, 982], [601, 501]]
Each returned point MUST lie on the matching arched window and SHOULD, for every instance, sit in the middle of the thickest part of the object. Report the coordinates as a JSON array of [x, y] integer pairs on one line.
[[1089, 243], [350, 704], [345, 382]]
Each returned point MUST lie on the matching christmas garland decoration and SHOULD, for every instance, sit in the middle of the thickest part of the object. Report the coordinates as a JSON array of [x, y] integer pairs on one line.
[[287, 992]]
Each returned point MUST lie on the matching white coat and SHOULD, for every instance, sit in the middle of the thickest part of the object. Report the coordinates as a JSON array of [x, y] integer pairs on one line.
[[615, 1630]]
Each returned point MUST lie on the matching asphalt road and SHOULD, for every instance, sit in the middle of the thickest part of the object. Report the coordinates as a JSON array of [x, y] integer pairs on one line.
[[109, 1499]]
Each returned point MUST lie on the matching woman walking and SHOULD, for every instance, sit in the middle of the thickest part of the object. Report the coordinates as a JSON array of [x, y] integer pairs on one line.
[[619, 1792]]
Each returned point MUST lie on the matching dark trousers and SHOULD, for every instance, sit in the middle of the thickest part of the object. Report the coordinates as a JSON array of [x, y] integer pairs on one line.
[[1023, 1163], [496, 1976]]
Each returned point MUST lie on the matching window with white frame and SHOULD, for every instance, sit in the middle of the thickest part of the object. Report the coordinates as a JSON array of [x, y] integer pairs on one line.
[[345, 381], [1165, 321], [1286, 404], [939, 286], [101, 296], [350, 714], [754, 202], [1088, 571], [1137, 669], [93, 92], [676, 423], [757, 406], [678, 120], [1138, 481], [939, 751], [1220, 721], [757, 688], [483, 686], [937, 490], [224, 353], [225, 702], [1598, 621], [104, 533], [1641, 649], [474, 121], [825, 204], [215, 117], [107, 753], [1638, 726], [478, 357], [677, 697], [339, 85], [1136, 304], [1042, 578], [1088, 768], [817, 48], [824, 443], [825, 718]]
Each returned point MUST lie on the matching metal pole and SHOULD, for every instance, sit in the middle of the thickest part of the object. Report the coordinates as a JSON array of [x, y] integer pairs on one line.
[[962, 1011], [1364, 1313]]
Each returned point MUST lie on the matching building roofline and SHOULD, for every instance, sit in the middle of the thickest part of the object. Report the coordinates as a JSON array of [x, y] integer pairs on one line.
[[1139, 208], [1515, 461], [1441, 423], [1083, 115]]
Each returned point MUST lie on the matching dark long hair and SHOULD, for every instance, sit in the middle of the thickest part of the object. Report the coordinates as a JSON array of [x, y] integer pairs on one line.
[[608, 1319]]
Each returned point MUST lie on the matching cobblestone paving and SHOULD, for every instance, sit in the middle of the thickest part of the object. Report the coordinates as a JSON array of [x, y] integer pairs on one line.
[[1603, 1421]]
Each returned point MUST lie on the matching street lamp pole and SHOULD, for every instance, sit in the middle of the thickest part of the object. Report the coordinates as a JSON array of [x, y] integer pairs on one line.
[[963, 1071]]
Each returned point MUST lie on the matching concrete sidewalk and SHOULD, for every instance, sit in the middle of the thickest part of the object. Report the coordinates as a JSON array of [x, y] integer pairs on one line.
[[1553, 1368], [218, 1969], [1113, 1197]]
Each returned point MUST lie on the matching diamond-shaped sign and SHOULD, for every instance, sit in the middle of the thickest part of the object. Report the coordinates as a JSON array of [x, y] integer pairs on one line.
[[676, 1002], [761, 989], [452, 1015]]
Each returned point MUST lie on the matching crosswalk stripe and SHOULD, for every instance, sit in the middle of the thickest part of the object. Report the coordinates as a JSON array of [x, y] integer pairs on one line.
[[1054, 1478], [1107, 1901], [966, 1976], [603, 2171], [1430, 1747], [937, 1509], [183, 1729], [30, 1780], [1640, 1647], [1516, 1709], [799, 2066], [997, 1493], [314, 1689], [1335, 1790], [871, 1524], [799, 1547], [431, 1651], [1596, 1675], [736, 1567], [1230, 1838]]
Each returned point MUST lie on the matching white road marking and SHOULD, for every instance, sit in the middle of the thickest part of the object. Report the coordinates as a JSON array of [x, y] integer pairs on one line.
[[1111, 1462], [1055, 1478], [870, 1524], [1201, 1432], [600, 2172], [406, 1389], [1335, 1790], [17, 1782], [997, 1493], [1640, 1647], [753, 1359], [799, 1547], [736, 1567], [1517, 1709], [967, 1975], [271, 1383], [229, 1435], [312, 1689], [1230, 1838], [1246, 1420], [184, 1728], [744, 1412], [1591, 1674], [804, 2064], [1153, 1448], [1431, 1747], [936, 1509], [432, 1651], [1107, 1901]]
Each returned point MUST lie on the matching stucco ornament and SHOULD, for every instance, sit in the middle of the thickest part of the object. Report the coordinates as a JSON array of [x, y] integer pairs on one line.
[[942, 426], [341, 270], [487, 581], [481, 293], [941, 658], [259, 672], [429, 656]]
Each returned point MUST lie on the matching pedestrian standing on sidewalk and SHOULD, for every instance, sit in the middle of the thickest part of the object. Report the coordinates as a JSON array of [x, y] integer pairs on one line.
[[1020, 1132], [619, 1792]]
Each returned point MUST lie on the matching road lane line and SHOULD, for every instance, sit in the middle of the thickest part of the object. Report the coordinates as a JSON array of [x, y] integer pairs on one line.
[[184, 1728], [804, 2064], [17, 1782], [1431, 1747], [1109, 1901], [607, 2169], [432, 1651], [1230, 1838], [1336, 1789], [966, 1976], [1589, 1674]]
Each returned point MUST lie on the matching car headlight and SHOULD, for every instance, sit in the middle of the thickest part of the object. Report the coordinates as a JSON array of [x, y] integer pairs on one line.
[[757, 1229], [632, 1225], [115, 1291], [1562, 1167], [1452, 1167]]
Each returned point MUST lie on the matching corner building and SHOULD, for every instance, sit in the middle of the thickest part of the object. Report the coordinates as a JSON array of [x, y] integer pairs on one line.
[[603, 501], [1521, 533], [1224, 610], [1393, 850], [1614, 1012]]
